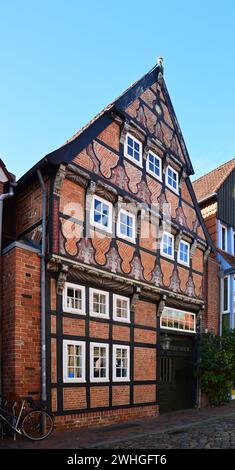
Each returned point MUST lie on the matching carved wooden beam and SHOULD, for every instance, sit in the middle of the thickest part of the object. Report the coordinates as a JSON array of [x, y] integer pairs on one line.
[[193, 248], [206, 254], [78, 176], [62, 278], [161, 305], [135, 298], [60, 176]]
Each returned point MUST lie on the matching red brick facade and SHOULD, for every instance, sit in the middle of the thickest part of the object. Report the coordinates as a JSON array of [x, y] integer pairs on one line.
[[79, 255]]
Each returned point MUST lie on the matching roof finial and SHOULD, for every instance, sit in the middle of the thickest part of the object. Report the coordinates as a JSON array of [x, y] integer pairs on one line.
[[160, 61]]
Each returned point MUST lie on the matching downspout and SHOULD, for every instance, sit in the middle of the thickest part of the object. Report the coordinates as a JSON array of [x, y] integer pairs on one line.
[[2, 198], [43, 289]]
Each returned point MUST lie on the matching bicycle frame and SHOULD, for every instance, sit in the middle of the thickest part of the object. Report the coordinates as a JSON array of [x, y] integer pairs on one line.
[[12, 416]]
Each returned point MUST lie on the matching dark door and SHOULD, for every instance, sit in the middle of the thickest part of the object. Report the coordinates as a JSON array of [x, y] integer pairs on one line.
[[177, 388]]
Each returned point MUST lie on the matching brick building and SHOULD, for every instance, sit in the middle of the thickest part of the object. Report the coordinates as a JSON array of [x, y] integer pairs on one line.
[[215, 193], [104, 249]]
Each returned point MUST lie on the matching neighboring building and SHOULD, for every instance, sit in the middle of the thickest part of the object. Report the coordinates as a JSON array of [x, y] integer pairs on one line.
[[215, 192], [124, 291]]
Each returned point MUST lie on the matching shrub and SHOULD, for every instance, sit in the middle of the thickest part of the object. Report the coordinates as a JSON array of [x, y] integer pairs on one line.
[[216, 366]]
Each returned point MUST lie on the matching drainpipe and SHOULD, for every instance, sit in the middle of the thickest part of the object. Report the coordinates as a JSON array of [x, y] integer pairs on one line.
[[43, 289], [2, 198]]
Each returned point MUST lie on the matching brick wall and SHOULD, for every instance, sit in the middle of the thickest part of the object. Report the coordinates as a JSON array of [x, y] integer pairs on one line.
[[21, 322], [211, 315]]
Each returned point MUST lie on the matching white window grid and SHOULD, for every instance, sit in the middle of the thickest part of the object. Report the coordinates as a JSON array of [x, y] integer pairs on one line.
[[99, 303], [133, 149], [172, 179], [154, 165], [183, 253], [167, 245], [104, 211], [121, 363], [74, 298], [99, 362], [74, 361], [178, 320], [126, 223], [121, 308]]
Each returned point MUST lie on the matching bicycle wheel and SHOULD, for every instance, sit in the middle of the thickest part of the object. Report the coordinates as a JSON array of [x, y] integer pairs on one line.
[[37, 425]]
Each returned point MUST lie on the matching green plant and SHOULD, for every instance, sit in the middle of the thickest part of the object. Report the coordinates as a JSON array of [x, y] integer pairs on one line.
[[216, 366]]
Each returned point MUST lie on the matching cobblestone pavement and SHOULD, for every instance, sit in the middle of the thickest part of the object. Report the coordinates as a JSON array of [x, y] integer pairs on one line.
[[211, 428], [217, 434]]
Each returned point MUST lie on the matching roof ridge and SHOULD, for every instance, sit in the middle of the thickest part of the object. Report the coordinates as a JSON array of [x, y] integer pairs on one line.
[[215, 169]]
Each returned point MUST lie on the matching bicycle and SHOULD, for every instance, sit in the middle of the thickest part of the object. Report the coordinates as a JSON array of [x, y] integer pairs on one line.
[[35, 424]]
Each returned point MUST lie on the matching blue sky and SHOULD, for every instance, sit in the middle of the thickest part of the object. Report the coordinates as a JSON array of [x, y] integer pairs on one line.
[[62, 61]]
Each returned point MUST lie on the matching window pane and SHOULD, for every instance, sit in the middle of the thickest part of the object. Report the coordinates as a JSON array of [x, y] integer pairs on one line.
[[225, 294]]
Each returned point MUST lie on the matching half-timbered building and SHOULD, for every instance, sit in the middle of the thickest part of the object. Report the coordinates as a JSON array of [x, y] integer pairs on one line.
[[104, 249]]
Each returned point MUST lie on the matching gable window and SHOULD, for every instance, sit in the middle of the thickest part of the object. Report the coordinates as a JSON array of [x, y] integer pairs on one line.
[[167, 245], [174, 319], [133, 149], [121, 308], [74, 361], [126, 225], [225, 294], [99, 303], [101, 213], [121, 363], [154, 165], [99, 357], [223, 238], [172, 179], [183, 253], [74, 298]]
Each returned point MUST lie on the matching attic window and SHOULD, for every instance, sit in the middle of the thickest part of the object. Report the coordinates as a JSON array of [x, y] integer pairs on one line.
[[133, 149], [172, 179], [154, 165]]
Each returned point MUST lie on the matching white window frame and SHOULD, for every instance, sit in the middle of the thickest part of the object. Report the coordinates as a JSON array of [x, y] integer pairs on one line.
[[121, 379], [179, 260], [92, 214], [67, 379], [106, 294], [162, 243], [177, 179], [67, 309], [106, 347], [126, 154], [179, 329], [121, 235], [228, 309], [159, 178], [115, 317], [222, 226]]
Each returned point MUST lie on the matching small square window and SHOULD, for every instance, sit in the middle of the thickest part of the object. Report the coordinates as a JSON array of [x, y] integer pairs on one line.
[[121, 363], [99, 303], [126, 225], [101, 213], [74, 298], [172, 179], [183, 253], [167, 245], [99, 358], [74, 361], [154, 165], [133, 149], [121, 308]]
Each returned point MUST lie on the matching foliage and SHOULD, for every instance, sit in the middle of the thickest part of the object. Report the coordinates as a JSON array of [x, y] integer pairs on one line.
[[216, 366]]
